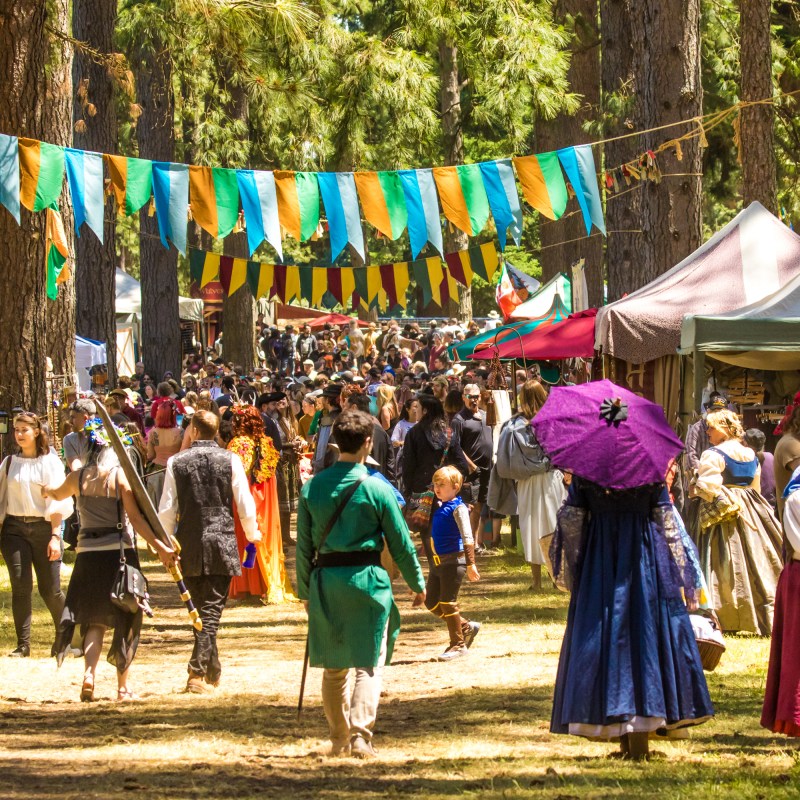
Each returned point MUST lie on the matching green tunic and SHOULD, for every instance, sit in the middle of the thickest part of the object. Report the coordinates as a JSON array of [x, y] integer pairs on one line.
[[350, 607]]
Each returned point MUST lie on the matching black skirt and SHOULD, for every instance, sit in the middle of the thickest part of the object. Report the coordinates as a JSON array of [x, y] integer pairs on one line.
[[88, 603]]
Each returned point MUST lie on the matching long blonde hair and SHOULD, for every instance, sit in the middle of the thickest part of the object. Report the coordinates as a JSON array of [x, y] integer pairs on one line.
[[726, 422], [532, 396], [386, 398]]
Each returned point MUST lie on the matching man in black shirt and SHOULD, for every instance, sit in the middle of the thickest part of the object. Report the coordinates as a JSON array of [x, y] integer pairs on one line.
[[475, 436]]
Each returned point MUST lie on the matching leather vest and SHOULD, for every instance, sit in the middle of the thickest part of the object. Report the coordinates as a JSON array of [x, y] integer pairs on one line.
[[203, 479]]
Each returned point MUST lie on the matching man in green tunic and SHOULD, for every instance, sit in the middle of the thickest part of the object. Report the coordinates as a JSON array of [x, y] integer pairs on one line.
[[352, 618]]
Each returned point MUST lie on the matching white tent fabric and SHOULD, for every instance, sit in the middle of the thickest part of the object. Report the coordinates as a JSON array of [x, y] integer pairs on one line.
[[749, 259], [129, 300], [766, 333], [88, 354], [540, 303]]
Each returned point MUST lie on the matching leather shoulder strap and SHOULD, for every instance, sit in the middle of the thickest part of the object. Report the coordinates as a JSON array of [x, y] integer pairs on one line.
[[338, 512]]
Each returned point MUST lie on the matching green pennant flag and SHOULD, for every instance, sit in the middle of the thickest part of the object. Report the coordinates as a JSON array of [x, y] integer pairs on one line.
[[197, 260], [306, 283], [253, 276], [308, 199], [471, 179], [420, 271], [554, 182], [360, 277], [395, 199]]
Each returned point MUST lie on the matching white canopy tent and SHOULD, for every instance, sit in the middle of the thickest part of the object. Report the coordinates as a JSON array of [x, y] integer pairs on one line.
[[88, 354], [539, 304]]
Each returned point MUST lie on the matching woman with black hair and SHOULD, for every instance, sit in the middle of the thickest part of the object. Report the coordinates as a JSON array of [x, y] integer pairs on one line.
[[30, 540]]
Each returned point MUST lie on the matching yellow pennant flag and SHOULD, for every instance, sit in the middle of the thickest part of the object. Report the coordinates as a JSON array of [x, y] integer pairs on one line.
[[319, 284], [401, 281], [435, 276], [266, 278], [292, 283], [210, 269], [490, 259], [348, 286], [373, 283]]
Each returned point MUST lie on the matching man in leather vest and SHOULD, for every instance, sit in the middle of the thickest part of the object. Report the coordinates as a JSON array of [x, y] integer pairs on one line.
[[200, 487]]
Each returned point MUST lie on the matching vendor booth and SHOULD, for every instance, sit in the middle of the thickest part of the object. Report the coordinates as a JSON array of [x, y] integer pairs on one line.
[[749, 259]]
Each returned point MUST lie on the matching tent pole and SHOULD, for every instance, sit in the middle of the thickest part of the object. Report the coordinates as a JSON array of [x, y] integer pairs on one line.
[[699, 359]]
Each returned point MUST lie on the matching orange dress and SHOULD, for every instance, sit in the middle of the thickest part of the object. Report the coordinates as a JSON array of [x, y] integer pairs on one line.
[[267, 579]]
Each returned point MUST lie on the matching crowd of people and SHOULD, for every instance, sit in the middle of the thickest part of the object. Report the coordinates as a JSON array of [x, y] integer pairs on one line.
[[371, 435]]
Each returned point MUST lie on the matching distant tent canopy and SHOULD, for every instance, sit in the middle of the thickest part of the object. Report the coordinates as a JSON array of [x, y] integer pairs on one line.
[[538, 303], [570, 338], [748, 260], [129, 300], [556, 312], [745, 336]]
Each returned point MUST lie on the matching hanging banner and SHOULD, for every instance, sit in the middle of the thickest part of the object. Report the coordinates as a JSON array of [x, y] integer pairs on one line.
[[131, 182]]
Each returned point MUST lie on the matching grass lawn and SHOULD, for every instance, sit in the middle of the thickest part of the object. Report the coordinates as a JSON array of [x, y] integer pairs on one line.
[[476, 727]]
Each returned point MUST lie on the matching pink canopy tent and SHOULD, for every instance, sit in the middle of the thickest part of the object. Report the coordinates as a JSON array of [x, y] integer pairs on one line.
[[571, 338], [336, 319]]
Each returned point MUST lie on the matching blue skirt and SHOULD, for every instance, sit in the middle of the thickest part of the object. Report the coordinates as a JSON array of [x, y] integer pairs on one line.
[[629, 661]]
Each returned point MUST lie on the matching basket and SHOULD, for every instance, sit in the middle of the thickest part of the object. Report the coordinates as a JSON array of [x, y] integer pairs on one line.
[[709, 641]]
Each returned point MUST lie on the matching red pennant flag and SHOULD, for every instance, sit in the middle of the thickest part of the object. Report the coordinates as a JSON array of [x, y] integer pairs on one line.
[[279, 286], [444, 291], [389, 283], [335, 283], [225, 272], [456, 268]]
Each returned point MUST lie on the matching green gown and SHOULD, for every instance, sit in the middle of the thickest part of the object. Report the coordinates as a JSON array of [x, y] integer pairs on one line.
[[350, 607]]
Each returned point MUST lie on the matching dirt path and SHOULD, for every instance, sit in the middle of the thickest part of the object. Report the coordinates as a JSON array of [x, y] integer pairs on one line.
[[477, 726]]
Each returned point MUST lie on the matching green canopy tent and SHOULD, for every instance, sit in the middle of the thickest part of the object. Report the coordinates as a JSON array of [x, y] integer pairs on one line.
[[463, 350]]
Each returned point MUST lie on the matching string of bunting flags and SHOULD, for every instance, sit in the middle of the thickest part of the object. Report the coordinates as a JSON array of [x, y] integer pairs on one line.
[[383, 286], [274, 204]]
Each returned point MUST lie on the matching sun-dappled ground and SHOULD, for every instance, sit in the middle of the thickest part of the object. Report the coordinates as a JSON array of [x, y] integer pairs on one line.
[[474, 727]]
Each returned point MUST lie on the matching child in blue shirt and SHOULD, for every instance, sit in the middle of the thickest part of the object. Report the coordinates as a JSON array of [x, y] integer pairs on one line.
[[453, 550]]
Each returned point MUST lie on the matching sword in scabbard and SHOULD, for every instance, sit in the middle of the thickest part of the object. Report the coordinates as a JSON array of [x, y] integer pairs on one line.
[[148, 509]]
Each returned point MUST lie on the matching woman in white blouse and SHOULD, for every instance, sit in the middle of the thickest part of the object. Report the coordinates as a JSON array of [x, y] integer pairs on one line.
[[739, 539], [30, 540]]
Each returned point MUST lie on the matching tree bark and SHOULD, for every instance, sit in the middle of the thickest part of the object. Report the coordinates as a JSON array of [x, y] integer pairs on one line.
[[95, 262], [239, 310], [651, 50], [161, 335], [453, 146], [564, 241], [25, 95], [57, 117], [756, 130]]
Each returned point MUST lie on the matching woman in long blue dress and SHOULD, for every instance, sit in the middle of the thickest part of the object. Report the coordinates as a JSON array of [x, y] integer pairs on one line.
[[629, 666]]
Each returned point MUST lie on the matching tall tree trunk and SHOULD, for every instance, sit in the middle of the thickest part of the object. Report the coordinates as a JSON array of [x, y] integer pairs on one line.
[[57, 118], [759, 180], [565, 241], [26, 56], [161, 334], [239, 310], [652, 49], [453, 145], [95, 262]]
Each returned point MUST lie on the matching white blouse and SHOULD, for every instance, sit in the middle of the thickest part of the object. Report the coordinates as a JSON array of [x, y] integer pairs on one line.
[[21, 490], [712, 465]]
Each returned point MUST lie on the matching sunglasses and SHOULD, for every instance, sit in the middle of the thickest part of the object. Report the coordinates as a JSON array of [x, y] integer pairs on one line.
[[472, 397]]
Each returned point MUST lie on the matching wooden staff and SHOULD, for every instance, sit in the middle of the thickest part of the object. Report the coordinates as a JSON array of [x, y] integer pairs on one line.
[[148, 509], [303, 682]]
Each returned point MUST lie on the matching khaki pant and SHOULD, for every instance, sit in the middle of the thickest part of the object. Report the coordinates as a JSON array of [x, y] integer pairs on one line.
[[350, 716]]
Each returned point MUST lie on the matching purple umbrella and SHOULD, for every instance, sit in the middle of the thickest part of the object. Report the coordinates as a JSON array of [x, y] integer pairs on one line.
[[606, 434]]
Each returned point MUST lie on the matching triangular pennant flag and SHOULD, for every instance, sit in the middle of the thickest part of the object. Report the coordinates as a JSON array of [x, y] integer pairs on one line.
[[401, 282], [474, 196], [307, 284], [452, 196], [171, 192], [41, 174], [279, 283], [131, 182], [455, 267], [578, 163], [197, 261], [543, 183], [335, 284], [501, 191], [298, 203], [388, 282], [435, 268], [348, 285], [489, 260], [9, 174], [373, 283], [85, 179], [319, 285], [381, 195], [56, 252], [420, 271], [292, 283], [260, 205], [214, 197]]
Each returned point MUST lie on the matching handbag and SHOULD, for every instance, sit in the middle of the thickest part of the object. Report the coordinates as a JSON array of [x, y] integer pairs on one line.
[[419, 509], [129, 587]]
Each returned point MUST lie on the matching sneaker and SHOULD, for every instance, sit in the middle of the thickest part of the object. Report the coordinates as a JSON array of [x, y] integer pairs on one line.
[[21, 651], [474, 630], [454, 651], [361, 748]]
